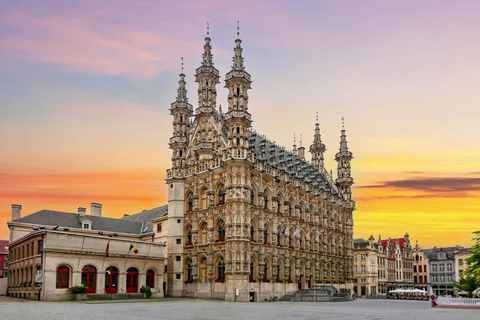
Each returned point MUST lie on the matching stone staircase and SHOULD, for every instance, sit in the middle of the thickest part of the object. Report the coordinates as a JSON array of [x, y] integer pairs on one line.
[[316, 293]]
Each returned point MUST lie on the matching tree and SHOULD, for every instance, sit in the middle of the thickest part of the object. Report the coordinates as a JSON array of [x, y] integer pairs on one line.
[[474, 259], [468, 284]]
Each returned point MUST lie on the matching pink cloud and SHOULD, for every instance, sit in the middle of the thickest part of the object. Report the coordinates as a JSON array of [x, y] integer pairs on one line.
[[75, 44]]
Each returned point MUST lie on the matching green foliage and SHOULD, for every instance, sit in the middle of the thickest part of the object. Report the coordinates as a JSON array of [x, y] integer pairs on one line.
[[468, 284], [474, 260], [77, 289], [146, 290]]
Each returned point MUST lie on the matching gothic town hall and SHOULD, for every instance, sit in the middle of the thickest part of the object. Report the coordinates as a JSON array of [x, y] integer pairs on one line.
[[248, 219]]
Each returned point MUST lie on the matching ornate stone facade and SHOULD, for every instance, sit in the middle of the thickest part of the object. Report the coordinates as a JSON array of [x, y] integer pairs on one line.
[[248, 218]]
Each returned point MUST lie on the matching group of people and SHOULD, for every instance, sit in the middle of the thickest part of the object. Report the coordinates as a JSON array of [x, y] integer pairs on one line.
[[433, 300]]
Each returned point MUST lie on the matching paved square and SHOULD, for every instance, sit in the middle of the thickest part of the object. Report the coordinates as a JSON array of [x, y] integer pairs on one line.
[[17, 309]]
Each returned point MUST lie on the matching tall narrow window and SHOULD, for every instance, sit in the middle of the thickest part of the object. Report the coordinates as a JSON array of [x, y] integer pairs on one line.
[[265, 236], [252, 233], [221, 270], [189, 272], [238, 92], [252, 269], [150, 279], [221, 231]]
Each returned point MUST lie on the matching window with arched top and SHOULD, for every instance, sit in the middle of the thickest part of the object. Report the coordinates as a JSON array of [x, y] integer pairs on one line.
[[89, 278], [132, 280], [252, 233], [203, 270], [265, 201], [111, 280], [221, 270], [266, 235], [189, 272], [203, 199], [190, 202], [63, 277], [221, 195], [252, 271], [221, 231], [202, 239], [150, 279]]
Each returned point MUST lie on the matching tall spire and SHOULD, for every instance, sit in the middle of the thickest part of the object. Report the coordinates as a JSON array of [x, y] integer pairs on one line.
[[182, 91], [181, 111], [343, 139], [343, 157], [238, 83], [317, 149], [238, 59], [207, 51]]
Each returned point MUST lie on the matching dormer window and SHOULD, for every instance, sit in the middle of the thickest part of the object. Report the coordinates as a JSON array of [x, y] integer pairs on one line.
[[86, 225]]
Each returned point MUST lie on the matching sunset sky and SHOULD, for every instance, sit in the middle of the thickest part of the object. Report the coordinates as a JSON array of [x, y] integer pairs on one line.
[[85, 88]]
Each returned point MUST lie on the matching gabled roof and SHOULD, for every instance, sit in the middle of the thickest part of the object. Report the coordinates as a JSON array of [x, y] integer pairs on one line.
[[73, 220], [146, 216]]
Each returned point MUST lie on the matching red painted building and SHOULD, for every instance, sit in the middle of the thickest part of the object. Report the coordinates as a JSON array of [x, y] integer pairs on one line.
[[3, 258]]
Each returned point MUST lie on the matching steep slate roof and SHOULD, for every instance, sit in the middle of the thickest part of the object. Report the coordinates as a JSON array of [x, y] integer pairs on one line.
[[432, 254], [73, 220], [360, 243], [284, 160], [3, 246], [146, 216]]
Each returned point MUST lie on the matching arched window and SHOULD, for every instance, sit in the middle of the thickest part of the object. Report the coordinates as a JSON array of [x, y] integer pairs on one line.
[[111, 280], [238, 91], [132, 280], [265, 198], [221, 270], [265, 235], [89, 278], [189, 272], [221, 196], [279, 203], [278, 272], [63, 276], [252, 197], [203, 199], [203, 270], [252, 233], [190, 203], [203, 234], [150, 279], [252, 271], [221, 231], [265, 270]]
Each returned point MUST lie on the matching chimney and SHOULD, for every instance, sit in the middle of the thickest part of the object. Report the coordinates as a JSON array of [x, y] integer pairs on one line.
[[16, 211], [82, 211], [96, 209]]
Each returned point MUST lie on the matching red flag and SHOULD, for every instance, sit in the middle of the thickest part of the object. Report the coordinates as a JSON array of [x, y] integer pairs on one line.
[[107, 254]]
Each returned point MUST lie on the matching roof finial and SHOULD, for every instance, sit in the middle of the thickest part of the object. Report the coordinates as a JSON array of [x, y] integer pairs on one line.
[[208, 29], [317, 117], [182, 64], [238, 29], [300, 139], [294, 138], [343, 124]]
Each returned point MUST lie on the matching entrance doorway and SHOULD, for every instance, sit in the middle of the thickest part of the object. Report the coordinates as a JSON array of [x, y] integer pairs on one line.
[[89, 278], [132, 280], [251, 297], [111, 278]]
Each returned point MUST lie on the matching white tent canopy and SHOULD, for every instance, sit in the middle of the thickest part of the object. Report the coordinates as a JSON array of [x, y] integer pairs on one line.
[[408, 291]]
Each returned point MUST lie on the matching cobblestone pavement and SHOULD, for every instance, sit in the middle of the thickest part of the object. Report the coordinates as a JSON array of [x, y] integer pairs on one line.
[[17, 309]]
